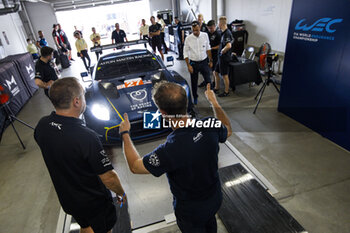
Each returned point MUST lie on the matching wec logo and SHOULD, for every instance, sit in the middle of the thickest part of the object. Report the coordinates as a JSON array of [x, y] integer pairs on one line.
[[319, 25]]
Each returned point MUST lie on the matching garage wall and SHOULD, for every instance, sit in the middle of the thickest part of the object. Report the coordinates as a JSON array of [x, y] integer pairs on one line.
[[42, 17], [266, 20], [12, 26], [156, 5], [199, 6]]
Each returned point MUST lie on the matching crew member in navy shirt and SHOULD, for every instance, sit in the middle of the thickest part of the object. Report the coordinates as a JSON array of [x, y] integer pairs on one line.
[[118, 36], [189, 157], [225, 51], [79, 168], [180, 38]]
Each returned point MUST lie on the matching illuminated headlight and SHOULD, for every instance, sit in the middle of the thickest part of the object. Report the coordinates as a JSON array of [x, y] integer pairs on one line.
[[100, 112]]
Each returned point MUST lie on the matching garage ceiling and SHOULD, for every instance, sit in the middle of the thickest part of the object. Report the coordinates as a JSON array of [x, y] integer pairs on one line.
[[64, 5]]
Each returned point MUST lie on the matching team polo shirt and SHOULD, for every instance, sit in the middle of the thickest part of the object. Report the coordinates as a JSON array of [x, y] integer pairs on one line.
[[226, 37], [154, 28], [45, 72], [119, 37], [74, 157], [215, 40], [189, 157]]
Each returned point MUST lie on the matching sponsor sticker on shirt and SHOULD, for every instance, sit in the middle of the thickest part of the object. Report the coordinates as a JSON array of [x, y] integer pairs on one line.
[[154, 160]]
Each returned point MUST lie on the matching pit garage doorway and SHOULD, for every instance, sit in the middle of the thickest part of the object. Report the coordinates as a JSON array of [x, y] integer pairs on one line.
[[103, 18]]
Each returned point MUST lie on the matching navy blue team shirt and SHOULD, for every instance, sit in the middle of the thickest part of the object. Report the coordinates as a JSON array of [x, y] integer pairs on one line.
[[189, 157], [74, 157]]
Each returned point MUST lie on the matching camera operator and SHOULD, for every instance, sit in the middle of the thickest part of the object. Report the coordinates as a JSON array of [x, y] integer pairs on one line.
[[189, 157], [79, 168]]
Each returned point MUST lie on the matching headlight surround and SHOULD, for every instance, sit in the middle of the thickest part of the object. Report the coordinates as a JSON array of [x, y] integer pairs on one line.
[[101, 112]]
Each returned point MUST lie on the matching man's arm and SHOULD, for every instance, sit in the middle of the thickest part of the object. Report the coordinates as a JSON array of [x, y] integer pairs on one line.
[[157, 33], [226, 48], [215, 47], [133, 158], [38, 44], [210, 58], [111, 180], [186, 49], [218, 111], [42, 84]]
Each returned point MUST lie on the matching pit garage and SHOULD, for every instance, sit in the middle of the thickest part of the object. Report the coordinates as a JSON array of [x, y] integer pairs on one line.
[[283, 169]]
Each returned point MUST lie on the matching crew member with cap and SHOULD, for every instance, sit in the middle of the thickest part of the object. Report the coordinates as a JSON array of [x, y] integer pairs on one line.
[[196, 52]]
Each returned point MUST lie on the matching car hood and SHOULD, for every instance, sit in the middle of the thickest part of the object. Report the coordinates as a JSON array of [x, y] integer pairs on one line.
[[132, 94]]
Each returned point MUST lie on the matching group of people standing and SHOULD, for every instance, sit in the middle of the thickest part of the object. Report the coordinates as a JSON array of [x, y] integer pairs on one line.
[[83, 174], [207, 48], [155, 34]]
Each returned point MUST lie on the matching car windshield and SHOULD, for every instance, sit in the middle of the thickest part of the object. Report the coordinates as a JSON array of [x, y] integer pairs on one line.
[[121, 65]]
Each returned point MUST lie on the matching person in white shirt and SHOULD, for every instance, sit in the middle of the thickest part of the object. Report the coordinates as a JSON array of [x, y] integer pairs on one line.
[[162, 34], [197, 53], [144, 31]]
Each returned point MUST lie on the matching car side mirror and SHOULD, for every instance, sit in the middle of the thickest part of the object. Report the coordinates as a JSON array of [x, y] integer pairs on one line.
[[170, 59], [85, 77]]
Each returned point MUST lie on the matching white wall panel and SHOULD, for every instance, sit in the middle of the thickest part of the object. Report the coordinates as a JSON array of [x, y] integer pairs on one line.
[[42, 16], [12, 26], [266, 20]]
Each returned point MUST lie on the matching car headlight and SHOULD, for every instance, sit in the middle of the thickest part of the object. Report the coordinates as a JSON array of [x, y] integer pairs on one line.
[[100, 112]]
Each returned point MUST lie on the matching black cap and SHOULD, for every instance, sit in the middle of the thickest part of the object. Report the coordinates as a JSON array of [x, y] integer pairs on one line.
[[54, 25]]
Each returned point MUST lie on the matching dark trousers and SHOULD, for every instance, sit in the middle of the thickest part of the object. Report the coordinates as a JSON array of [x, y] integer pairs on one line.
[[199, 67], [187, 227], [180, 47], [84, 57], [162, 36], [148, 39], [98, 53]]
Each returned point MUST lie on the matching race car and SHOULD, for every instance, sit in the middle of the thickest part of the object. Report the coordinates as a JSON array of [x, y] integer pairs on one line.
[[122, 82]]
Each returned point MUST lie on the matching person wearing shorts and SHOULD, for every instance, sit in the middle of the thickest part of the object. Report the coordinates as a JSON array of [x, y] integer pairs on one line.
[[222, 66]]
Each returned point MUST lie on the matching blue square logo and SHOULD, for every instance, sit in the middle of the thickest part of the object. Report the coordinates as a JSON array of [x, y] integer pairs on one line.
[[151, 120]]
